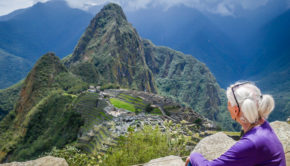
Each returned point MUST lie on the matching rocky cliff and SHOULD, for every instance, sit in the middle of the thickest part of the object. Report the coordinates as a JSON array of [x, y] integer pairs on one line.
[[185, 78], [110, 51]]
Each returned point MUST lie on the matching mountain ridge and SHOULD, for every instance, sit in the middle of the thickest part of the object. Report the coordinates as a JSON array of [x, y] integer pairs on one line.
[[54, 99], [33, 31], [110, 51]]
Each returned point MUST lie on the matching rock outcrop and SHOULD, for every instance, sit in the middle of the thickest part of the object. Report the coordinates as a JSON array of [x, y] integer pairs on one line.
[[44, 161], [213, 146], [166, 161], [111, 52], [282, 129]]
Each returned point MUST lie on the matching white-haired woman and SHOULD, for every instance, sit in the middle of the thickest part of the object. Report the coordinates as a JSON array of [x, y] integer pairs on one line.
[[259, 146]]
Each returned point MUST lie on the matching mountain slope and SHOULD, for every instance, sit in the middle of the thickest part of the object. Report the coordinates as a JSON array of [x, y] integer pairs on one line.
[[31, 32], [188, 30], [8, 98], [37, 30], [42, 104], [271, 68], [111, 44], [54, 109], [110, 51], [272, 47], [12, 68], [186, 79]]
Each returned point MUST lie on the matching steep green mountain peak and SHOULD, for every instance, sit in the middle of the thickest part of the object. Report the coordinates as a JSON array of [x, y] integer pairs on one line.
[[110, 51], [43, 104], [38, 82], [113, 10]]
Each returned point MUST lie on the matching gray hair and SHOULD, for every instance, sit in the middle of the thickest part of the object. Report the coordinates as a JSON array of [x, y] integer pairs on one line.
[[252, 103]]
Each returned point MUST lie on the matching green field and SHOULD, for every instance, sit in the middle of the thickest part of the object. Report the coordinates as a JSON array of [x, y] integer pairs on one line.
[[121, 104]]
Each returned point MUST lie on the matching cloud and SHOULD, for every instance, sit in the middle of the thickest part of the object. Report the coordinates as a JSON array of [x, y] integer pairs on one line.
[[222, 7], [7, 6]]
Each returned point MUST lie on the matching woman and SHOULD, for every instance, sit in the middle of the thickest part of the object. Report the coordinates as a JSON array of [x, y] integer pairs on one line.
[[259, 146]]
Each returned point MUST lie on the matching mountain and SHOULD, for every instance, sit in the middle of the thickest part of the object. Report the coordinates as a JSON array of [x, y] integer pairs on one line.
[[30, 32], [8, 98], [271, 47], [55, 107], [37, 30], [188, 30], [185, 78], [12, 68], [40, 115], [271, 68], [110, 51]]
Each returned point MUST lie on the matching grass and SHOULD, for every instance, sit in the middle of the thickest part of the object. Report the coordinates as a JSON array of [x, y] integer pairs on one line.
[[91, 109], [137, 101], [121, 104], [131, 97], [156, 111], [229, 133]]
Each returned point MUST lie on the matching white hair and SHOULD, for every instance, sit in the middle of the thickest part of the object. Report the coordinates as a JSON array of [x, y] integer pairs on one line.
[[252, 103]]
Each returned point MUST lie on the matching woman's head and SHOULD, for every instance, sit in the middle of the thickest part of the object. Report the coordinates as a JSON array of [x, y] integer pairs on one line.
[[249, 100]]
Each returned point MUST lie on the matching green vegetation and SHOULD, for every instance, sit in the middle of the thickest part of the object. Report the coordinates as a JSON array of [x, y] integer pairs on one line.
[[8, 98], [143, 145], [131, 98], [114, 60], [86, 71], [229, 133], [55, 109], [49, 124], [70, 83], [42, 118], [138, 103], [109, 86], [12, 68], [156, 111], [148, 108], [277, 84], [186, 80], [91, 109], [75, 157], [121, 104], [135, 147], [99, 137], [151, 110]]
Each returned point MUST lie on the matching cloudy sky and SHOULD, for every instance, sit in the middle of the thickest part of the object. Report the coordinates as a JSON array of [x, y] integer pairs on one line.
[[222, 7]]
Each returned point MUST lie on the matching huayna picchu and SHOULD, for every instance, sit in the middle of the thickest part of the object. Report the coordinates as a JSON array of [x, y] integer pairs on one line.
[[110, 51], [113, 83]]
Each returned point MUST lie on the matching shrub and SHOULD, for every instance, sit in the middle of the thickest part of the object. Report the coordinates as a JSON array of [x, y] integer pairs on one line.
[[109, 86], [75, 157], [148, 108], [143, 145]]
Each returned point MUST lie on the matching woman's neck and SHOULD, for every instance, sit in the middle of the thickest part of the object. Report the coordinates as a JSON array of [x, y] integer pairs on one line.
[[248, 126]]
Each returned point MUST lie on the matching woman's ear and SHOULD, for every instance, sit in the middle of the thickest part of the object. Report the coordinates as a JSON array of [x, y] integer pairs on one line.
[[236, 111]]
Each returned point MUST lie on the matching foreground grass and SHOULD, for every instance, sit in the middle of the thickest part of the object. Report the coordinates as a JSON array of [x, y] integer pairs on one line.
[[135, 147]]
